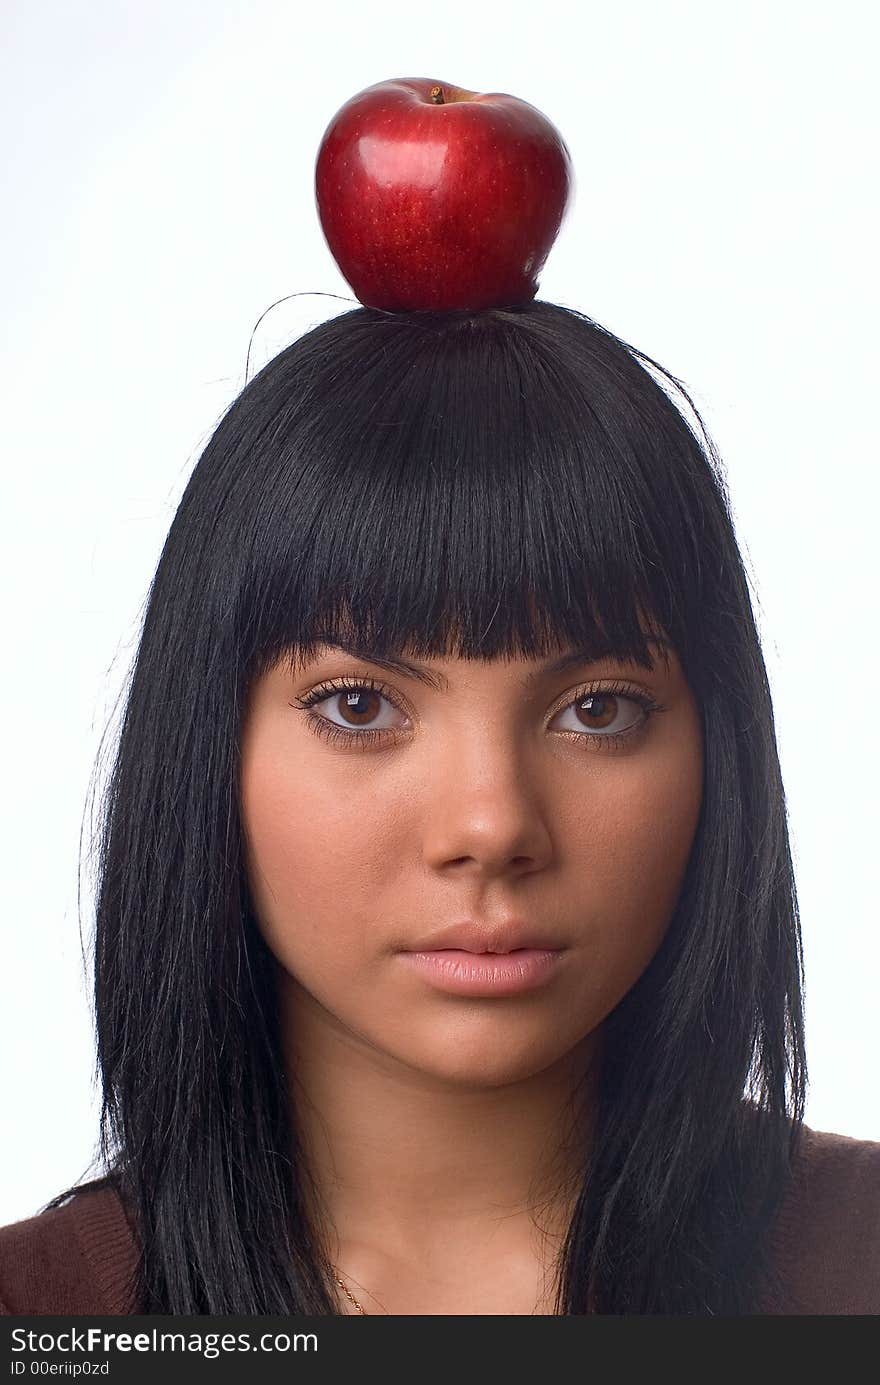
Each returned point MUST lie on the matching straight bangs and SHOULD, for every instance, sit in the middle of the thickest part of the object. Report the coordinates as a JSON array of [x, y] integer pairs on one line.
[[475, 497]]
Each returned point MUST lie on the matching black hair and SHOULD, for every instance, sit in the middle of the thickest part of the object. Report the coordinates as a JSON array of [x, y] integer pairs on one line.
[[479, 484]]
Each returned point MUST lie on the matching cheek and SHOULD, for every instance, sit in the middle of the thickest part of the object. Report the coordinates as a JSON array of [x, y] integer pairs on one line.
[[310, 853], [631, 859]]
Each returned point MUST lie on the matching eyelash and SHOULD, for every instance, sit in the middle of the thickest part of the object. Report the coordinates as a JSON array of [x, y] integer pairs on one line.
[[371, 735]]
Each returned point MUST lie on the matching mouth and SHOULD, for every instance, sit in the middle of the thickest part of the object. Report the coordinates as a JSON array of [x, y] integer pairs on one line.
[[465, 972]]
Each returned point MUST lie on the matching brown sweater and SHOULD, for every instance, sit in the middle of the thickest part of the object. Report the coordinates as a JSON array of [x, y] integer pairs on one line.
[[77, 1258]]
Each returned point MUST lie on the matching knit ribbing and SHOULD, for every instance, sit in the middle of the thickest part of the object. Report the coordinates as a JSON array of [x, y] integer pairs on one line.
[[107, 1242]]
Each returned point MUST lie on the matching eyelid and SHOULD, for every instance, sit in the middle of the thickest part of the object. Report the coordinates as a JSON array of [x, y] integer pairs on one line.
[[611, 687], [328, 686]]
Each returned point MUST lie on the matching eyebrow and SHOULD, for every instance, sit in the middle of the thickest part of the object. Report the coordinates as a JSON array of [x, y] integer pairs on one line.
[[432, 678]]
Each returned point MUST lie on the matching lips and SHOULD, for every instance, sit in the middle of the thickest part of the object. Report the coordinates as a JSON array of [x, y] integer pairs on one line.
[[471, 935], [486, 975]]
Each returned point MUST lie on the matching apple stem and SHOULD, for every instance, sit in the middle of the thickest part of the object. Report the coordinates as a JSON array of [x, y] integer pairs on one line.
[[437, 96]]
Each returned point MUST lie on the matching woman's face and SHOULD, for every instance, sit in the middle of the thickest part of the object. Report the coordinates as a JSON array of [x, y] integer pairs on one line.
[[497, 795]]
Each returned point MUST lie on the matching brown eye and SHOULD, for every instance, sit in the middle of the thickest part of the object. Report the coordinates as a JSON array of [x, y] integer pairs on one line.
[[358, 706], [351, 709], [597, 711], [607, 715], [605, 718]]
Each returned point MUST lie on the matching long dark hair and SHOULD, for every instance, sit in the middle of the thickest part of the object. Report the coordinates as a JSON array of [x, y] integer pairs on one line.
[[481, 484]]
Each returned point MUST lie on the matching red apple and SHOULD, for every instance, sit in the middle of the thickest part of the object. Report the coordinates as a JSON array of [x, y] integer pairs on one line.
[[434, 197]]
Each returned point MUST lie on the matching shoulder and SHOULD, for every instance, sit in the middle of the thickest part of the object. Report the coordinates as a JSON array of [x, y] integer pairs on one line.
[[75, 1258], [826, 1238]]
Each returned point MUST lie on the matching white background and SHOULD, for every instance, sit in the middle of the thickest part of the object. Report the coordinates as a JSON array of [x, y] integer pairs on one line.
[[158, 198]]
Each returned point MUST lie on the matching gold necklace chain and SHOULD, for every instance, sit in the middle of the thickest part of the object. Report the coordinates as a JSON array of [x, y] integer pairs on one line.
[[348, 1294]]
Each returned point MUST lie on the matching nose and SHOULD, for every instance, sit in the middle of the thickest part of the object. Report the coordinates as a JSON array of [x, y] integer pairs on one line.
[[484, 809]]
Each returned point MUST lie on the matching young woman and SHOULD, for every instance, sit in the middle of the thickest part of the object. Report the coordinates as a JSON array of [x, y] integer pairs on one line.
[[447, 954]]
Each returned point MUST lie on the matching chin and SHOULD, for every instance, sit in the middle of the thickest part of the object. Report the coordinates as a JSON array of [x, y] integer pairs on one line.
[[470, 1056]]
